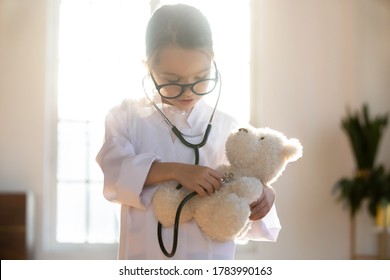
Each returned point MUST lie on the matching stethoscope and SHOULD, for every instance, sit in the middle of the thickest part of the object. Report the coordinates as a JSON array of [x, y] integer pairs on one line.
[[181, 136]]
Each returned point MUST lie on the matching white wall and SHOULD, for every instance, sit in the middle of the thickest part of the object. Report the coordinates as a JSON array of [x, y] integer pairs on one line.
[[310, 59], [22, 95]]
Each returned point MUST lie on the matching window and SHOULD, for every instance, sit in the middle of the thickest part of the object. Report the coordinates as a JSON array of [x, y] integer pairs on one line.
[[101, 47], [100, 54]]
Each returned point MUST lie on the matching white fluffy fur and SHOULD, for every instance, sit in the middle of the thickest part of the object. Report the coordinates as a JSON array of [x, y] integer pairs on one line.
[[256, 157], [166, 201]]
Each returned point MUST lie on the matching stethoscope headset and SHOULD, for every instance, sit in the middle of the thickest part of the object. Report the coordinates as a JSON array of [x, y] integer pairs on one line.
[[181, 136]]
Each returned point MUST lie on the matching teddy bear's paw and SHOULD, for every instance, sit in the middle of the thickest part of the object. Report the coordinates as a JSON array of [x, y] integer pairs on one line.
[[165, 203], [222, 219]]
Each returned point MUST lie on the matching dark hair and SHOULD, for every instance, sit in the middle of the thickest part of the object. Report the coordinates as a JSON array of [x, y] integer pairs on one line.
[[181, 25]]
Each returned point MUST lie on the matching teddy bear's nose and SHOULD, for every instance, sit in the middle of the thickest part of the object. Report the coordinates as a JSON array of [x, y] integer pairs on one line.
[[243, 130]]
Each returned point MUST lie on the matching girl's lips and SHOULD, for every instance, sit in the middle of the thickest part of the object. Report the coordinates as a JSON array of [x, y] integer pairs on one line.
[[186, 101]]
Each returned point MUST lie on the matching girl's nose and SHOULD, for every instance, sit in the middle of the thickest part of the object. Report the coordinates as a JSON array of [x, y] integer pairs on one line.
[[187, 91]]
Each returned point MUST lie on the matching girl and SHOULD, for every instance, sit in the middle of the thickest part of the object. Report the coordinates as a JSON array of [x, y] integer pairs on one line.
[[142, 149]]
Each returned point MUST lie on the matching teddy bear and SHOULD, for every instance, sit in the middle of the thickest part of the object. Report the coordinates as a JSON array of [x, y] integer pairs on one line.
[[256, 157]]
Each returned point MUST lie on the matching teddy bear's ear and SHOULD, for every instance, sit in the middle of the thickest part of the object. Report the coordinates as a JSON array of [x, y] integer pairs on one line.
[[292, 150]]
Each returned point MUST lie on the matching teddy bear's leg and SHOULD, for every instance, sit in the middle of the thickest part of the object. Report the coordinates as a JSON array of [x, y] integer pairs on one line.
[[166, 201], [222, 217]]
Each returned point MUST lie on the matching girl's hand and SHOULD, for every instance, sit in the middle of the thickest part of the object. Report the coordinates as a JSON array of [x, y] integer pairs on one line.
[[261, 207], [200, 179]]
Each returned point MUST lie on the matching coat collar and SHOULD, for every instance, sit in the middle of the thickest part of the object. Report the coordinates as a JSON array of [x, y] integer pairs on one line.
[[196, 119]]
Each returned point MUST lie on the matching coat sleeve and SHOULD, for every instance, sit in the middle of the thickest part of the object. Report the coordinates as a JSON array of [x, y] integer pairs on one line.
[[266, 229], [124, 171]]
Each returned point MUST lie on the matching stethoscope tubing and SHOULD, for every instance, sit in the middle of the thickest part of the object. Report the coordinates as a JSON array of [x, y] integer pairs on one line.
[[196, 148], [175, 229]]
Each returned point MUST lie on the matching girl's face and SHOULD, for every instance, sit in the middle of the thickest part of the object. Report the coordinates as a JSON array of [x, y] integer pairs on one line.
[[181, 66]]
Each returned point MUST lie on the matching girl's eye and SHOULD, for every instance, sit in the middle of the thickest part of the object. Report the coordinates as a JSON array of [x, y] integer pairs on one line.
[[202, 77], [262, 138]]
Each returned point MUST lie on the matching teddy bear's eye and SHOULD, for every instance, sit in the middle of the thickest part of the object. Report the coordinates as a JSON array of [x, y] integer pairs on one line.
[[243, 130], [262, 138]]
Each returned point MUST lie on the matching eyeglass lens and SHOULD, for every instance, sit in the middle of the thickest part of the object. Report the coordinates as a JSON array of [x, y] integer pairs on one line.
[[200, 88]]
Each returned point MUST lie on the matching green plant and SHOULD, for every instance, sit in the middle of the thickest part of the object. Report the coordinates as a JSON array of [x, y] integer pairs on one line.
[[364, 135], [369, 182], [378, 190]]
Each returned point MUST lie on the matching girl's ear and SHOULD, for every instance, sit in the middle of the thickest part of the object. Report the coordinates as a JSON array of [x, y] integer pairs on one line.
[[293, 150]]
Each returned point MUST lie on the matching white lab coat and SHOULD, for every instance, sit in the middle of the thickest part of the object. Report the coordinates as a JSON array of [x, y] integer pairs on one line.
[[136, 136]]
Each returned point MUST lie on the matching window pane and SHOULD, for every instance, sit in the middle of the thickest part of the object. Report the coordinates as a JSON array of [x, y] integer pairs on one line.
[[100, 55], [71, 212], [72, 151], [96, 136]]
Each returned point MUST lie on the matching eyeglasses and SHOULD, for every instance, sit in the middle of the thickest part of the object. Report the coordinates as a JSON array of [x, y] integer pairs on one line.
[[200, 87]]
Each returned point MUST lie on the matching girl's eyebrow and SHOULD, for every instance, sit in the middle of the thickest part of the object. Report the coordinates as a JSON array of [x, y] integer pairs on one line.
[[197, 73]]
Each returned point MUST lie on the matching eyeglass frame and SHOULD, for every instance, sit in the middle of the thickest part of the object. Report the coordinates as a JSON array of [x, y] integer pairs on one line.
[[184, 86]]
